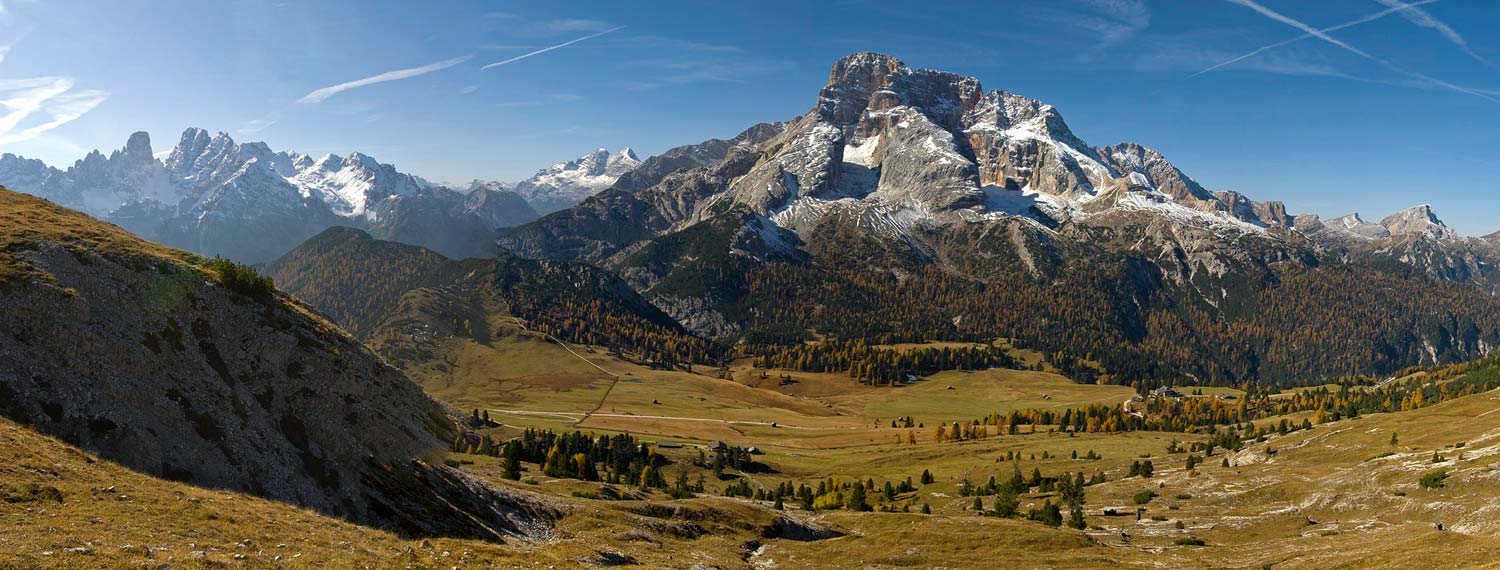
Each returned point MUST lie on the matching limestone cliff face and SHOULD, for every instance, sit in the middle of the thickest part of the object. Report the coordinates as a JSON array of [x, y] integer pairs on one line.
[[140, 354]]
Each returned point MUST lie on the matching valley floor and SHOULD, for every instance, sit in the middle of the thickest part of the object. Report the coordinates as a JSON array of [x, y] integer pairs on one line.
[[1337, 496]]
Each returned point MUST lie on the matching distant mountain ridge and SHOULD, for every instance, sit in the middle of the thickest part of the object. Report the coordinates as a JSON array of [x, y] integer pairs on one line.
[[245, 201], [565, 184]]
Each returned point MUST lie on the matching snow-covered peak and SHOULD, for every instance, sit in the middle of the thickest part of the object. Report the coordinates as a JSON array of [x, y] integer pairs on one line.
[[477, 185], [567, 183]]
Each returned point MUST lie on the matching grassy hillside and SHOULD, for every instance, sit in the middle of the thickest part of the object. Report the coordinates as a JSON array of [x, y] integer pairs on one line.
[[198, 371]]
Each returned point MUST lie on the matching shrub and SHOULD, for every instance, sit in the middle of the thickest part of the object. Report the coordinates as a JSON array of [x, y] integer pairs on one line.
[[1433, 479], [1144, 497], [242, 279], [1189, 541]]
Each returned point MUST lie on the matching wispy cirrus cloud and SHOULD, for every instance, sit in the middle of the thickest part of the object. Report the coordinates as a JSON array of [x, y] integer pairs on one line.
[[549, 99], [1104, 23], [320, 95], [700, 68], [572, 25], [1411, 12], [1321, 35], [550, 48], [34, 106], [254, 126]]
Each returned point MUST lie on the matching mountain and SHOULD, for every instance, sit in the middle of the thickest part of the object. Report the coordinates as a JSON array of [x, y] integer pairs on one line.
[[911, 204], [1413, 240], [200, 372], [360, 282], [244, 201], [564, 184]]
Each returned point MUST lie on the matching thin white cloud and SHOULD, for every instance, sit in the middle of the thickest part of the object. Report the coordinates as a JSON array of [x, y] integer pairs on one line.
[[700, 68], [319, 95], [34, 106], [1272, 14], [468, 89], [256, 125], [1104, 23], [550, 48], [1348, 24], [573, 25], [14, 39], [1425, 19]]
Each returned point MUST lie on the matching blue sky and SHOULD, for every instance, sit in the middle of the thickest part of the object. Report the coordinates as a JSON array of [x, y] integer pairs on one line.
[[1374, 114]]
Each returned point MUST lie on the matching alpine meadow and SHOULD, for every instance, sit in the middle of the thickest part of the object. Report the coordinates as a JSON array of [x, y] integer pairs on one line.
[[882, 316]]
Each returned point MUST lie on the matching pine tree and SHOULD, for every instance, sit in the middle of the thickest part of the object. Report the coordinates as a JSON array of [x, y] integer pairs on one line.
[[1006, 500], [513, 461], [856, 499]]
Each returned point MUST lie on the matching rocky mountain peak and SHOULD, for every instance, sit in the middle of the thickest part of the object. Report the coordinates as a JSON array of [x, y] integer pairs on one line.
[[867, 84], [138, 148], [567, 183], [1420, 221]]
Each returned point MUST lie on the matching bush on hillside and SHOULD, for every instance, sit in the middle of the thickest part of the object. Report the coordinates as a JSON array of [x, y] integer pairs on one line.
[[242, 279], [1433, 480]]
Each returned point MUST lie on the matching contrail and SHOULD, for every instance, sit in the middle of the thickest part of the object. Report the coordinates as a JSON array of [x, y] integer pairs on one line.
[[550, 48], [1349, 24], [1422, 18], [319, 95], [1272, 14]]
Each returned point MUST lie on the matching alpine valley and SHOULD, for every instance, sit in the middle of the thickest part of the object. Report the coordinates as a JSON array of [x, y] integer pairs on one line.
[[921, 325]]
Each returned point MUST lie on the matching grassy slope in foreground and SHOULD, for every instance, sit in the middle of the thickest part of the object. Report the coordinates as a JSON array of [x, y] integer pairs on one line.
[[198, 371]]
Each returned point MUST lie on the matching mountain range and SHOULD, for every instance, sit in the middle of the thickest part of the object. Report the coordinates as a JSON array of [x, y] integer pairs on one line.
[[901, 153], [247, 202], [899, 176]]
